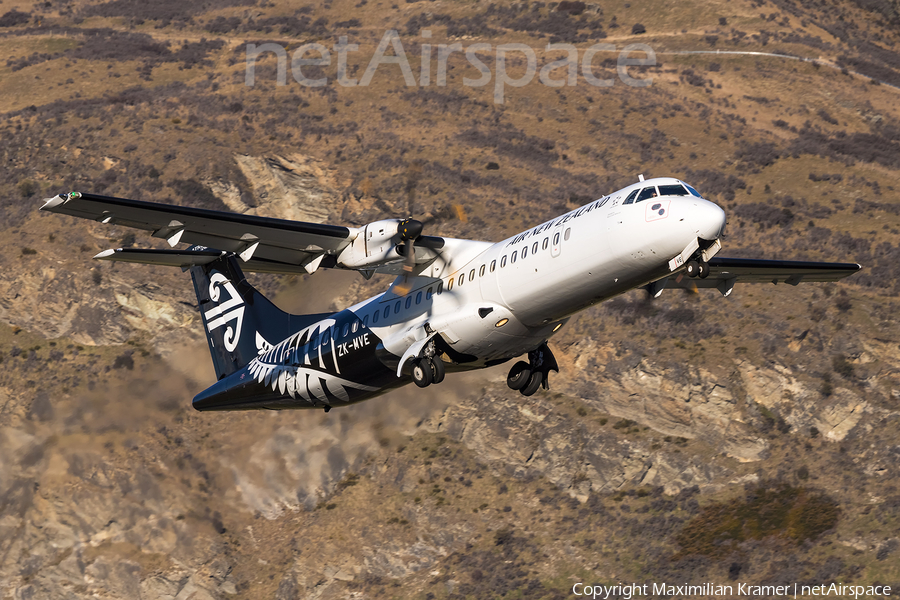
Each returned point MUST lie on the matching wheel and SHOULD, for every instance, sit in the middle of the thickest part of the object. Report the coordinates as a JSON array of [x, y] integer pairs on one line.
[[534, 382], [692, 268], [422, 373], [437, 369], [704, 270], [518, 375]]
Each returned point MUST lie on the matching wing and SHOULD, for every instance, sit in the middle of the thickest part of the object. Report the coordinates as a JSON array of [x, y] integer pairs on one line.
[[277, 243], [725, 272]]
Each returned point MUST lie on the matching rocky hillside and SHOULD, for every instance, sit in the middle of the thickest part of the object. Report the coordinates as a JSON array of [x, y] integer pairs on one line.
[[670, 420]]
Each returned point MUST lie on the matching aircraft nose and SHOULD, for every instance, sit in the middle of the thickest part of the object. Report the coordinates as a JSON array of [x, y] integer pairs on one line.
[[709, 219]]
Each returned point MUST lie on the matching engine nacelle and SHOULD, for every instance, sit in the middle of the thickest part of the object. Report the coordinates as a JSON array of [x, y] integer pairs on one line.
[[375, 245]]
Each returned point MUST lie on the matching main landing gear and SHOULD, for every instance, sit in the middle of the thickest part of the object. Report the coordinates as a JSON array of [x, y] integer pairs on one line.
[[428, 368], [697, 268], [527, 377]]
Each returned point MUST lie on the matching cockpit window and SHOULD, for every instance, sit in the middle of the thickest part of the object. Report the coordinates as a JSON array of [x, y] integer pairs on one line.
[[646, 194], [693, 191], [672, 190], [630, 197]]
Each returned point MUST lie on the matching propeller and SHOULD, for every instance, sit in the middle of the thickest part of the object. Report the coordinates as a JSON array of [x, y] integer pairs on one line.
[[409, 230]]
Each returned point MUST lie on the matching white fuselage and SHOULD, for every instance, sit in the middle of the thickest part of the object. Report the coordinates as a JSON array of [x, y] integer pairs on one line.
[[496, 301]]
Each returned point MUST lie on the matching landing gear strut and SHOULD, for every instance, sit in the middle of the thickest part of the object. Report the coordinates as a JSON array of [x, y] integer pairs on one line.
[[527, 377], [428, 368]]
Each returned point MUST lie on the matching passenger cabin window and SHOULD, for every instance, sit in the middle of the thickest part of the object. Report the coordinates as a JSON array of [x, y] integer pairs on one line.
[[503, 261], [387, 311], [408, 301], [461, 280], [524, 251], [534, 247], [481, 271], [630, 197], [514, 256], [545, 244], [693, 191], [397, 307], [365, 322], [493, 265], [471, 274], [375, 316], [672, 190], [428, 294], [568, 233], [450, 284], [354, 327], [440, 287], [556, 239], [346, 330], [419, 297], [646, 194]]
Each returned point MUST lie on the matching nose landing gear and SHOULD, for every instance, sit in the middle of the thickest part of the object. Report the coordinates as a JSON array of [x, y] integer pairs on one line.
[[697, 268], [527, 377]]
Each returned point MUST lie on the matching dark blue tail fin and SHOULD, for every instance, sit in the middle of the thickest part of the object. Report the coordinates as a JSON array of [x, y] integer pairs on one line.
[[240, 322]]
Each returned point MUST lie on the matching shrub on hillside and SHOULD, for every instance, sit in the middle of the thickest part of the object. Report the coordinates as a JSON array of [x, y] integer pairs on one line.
[[793, 514], [763, 154], [13, 18], [715, 183], [193, 193]]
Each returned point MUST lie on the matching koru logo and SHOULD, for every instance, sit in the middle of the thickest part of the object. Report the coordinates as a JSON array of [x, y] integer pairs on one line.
[[230, 309]]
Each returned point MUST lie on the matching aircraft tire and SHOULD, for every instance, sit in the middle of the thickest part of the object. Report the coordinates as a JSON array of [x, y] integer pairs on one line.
[[534, 383], [519, 375], [437, 369], [703, 271], [421, 372], [692, 268]]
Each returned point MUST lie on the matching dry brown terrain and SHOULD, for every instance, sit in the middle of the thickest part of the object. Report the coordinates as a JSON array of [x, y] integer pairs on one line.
[[695, 438]]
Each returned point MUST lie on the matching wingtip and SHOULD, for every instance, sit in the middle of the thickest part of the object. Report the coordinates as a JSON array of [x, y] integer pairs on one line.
[[51, 203], [106, 254]]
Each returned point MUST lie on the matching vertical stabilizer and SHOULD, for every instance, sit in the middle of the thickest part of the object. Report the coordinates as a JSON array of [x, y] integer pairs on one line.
[[239, 321]]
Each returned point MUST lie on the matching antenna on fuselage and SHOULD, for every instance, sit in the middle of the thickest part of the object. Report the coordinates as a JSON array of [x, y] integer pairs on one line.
[[640, 177]]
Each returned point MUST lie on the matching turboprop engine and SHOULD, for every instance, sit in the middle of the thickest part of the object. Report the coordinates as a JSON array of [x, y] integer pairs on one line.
[[380, 243]]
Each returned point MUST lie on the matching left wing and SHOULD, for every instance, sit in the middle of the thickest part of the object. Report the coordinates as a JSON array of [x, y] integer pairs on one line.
[[264, 244], [725, 272]]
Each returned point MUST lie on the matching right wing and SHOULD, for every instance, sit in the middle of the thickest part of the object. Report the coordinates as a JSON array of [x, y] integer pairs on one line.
[[725, 272]]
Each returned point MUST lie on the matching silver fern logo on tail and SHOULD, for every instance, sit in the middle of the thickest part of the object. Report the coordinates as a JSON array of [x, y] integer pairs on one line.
[[229, 309], [289, 368]]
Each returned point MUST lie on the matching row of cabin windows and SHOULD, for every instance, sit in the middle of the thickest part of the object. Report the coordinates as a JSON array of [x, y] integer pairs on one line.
[[513, 258], [397, 306], [338, 333], [377, 315]]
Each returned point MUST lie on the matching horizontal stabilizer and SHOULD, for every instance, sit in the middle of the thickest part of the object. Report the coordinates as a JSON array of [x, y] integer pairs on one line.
[[166, 258], [193, 257]]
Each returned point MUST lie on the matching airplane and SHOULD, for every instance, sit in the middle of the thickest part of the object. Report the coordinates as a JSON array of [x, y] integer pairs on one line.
[[455, 304]]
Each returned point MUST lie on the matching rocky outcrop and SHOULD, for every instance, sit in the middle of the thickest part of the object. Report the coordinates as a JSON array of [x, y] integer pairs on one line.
[[294, 187]]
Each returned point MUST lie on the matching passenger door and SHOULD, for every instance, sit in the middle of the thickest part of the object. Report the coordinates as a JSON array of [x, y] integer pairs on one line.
[[556, 240]]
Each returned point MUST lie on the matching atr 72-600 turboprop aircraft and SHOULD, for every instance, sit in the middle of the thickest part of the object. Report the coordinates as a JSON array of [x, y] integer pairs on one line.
[[455, 305]]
